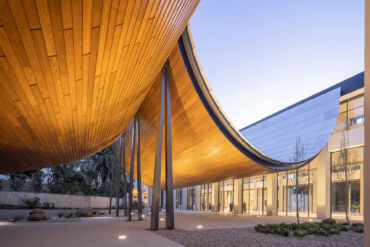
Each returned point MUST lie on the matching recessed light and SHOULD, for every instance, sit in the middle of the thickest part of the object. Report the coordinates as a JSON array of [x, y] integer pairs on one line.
[[122, 237]]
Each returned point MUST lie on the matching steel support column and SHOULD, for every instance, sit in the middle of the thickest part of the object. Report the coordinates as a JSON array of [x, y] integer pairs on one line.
[[133, 144], [154, 222], [170, 217], [118, 177], [124, 177], [138, 166]]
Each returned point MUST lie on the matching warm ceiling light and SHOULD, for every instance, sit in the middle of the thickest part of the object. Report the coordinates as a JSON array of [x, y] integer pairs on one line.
[[143, 215], [161, 219], [122, 237], [199, 226]]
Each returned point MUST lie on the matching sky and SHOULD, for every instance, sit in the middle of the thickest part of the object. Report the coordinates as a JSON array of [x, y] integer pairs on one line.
[[260, 56]]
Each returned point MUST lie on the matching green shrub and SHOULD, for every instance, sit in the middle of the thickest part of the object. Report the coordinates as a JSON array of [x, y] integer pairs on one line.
[[357, 227], [47, 205], [17, 218], [33, 202], [300, 233], [334, 231], [329, 221]]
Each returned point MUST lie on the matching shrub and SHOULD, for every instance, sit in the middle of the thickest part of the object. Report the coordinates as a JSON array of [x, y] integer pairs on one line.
[[300, 233], [357, 227], [47, 205], [324, 228], [70, 215], [33, 202], [329, 221], [17, 218], [60, 215]]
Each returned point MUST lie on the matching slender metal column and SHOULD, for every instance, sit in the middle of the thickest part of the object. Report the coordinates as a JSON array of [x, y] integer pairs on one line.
[[309, 190], [132, 169], [286, 193], [207, 197], [249, 196], [124, 176], [138, 166], [154, 222], [170, 217], [118, 177], [263, 193]]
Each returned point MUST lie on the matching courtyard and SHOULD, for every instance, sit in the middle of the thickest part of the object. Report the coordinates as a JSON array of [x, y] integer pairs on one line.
[[192, 229]]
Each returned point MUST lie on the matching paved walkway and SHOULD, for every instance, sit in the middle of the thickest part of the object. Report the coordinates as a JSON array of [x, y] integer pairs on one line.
[[105, 231]]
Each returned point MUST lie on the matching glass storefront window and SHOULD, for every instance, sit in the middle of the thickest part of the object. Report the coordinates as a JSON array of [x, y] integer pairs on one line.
[[191, 198], [342, 198], [206, 197], [178, 199], [351, 114], [226, 196]]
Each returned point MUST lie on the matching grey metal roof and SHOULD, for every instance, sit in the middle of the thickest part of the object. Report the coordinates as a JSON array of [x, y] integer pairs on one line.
[[347, 86]]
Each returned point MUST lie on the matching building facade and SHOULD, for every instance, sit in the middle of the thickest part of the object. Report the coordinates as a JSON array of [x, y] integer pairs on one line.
[[321, 183]]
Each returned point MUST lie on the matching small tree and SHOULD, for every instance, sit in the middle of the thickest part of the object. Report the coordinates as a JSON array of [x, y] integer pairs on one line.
[[37, 178], [344, 169], [298, 155]]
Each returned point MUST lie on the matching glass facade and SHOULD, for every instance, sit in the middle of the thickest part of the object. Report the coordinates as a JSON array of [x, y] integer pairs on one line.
[[178, 199], [346, 166], [190, 205], [206, 197], [322, 188], [351, 114], [226, 196]]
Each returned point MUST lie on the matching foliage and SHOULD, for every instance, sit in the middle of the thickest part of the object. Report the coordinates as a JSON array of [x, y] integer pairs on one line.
[[47, 205], [89, 176], [17, 180], [343, 165], [17, 218], [299, 154], [326, 227], [36, 182], [33, 202]]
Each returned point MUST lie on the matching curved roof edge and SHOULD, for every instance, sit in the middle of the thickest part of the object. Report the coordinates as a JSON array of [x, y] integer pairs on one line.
[[186, 47]]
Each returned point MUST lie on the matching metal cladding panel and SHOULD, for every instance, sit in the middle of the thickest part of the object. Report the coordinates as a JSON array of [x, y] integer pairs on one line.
[[311, 122]]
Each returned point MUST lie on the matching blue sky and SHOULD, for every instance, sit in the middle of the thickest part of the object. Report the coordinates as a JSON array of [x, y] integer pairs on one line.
[[260, 56]]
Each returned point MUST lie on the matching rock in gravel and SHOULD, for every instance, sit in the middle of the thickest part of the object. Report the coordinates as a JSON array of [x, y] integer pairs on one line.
[[84, 212]]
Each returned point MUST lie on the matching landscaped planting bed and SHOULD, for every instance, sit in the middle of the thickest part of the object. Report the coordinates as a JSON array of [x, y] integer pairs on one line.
[[326, 227]]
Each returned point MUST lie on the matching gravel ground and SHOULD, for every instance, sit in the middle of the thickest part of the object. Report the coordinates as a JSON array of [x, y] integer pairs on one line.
[[249, 237]]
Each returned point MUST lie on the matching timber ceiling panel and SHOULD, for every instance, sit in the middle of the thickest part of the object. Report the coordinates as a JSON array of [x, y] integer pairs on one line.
[[74, 72], [201, 152]]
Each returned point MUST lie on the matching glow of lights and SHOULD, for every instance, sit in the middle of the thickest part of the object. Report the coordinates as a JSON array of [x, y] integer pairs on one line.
[[5, 223], [143, 215], [161, 219], [122, 237], [199, 226]]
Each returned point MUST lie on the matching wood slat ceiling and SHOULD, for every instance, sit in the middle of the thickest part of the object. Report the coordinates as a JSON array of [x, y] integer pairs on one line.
[[74, 72], [201, 152]]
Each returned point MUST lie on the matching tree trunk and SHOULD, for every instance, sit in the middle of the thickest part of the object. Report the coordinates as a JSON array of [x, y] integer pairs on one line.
[[296, 194], [346, 193], [111, 192]]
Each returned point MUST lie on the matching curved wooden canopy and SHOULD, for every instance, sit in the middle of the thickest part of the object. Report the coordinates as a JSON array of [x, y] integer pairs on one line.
[[205, 145], [74, 72]]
